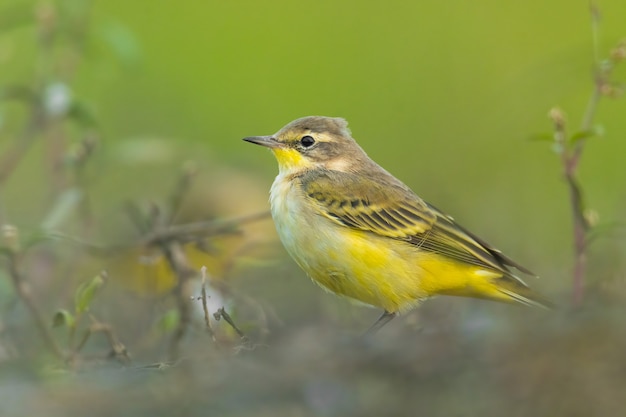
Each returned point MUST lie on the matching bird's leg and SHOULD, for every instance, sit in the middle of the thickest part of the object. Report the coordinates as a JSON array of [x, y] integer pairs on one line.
[[382, 320]]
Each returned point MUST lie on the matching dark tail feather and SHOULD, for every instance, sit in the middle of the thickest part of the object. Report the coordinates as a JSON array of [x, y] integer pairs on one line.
[[517, 291]]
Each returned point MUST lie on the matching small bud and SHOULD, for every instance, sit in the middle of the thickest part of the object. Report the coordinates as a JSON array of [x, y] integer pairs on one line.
[[619, 52], [611, 90], [46, 16], [592, 217], [57, 99], [80, 151], [558, 118]]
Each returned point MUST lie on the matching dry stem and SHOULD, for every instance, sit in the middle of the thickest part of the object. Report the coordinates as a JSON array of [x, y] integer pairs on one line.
[[205, 308], [25, 295], [221, 313]]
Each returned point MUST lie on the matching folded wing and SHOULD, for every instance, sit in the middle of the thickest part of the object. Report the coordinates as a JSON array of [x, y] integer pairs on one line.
[[391, 209]]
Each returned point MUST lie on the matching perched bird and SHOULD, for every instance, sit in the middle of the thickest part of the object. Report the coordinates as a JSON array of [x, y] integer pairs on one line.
[[359, 232]]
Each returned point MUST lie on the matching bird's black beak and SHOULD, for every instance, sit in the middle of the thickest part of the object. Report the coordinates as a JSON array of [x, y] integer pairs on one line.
[[267, 141]]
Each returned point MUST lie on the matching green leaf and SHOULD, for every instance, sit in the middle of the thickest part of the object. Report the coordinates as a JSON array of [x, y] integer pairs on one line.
[[595, 131], [37, 237], [557, 148], [169, 321], [63, 318], [122, 41], [542, 137], [82, 114], [63, 208], [86, 291]]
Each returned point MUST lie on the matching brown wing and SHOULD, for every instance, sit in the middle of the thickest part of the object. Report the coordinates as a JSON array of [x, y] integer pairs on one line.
[[387, 207]]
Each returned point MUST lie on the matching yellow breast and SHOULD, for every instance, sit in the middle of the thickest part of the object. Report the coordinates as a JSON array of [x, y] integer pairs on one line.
[[374, 270]]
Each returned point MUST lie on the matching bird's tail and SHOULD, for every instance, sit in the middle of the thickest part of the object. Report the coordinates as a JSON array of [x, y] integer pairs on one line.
[[512, 289], [505, 288]]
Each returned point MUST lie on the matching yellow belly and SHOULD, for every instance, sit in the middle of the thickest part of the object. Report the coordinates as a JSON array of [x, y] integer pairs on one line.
[[384, 272], [364, 267]]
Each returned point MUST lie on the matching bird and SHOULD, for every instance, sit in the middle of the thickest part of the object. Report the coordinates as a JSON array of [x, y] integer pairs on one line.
[[361, 233]]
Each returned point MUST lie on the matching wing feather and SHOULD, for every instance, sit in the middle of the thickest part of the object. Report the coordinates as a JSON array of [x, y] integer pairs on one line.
[[387, 207]]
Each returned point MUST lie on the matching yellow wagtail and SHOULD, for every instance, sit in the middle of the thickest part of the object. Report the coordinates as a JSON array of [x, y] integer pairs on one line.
[[359, 232]]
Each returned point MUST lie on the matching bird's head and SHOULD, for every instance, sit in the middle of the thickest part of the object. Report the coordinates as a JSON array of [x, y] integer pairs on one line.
[[313, 142]]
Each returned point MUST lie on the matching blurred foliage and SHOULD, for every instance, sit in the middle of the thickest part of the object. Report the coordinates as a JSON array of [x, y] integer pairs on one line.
[[120, 127]]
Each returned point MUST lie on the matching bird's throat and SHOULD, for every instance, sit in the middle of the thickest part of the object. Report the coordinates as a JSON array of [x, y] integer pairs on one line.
[[290, 160]]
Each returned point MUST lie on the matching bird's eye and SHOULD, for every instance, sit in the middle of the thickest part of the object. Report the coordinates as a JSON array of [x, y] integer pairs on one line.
[[307, 141]]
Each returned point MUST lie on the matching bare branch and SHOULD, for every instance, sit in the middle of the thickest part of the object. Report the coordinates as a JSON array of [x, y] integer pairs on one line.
[[21, 290], [221, 313], [205, 308], [178, 262], [202, 229]]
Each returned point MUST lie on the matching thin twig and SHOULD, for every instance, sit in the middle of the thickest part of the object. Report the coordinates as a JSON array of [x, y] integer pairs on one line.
[[118, 350], [571, 153], [580, 247], [205, 308], [204, 228], [24, 294], [182, 233], [136, 216], [221, 313], [569, 159], [179, 192], [580, 224], [178, 263]]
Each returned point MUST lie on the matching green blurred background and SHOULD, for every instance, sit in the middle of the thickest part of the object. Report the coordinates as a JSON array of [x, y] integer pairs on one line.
[[446, 96]]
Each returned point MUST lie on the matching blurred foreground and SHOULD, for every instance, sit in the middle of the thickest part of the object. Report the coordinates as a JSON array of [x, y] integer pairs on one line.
[[459, 362]]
